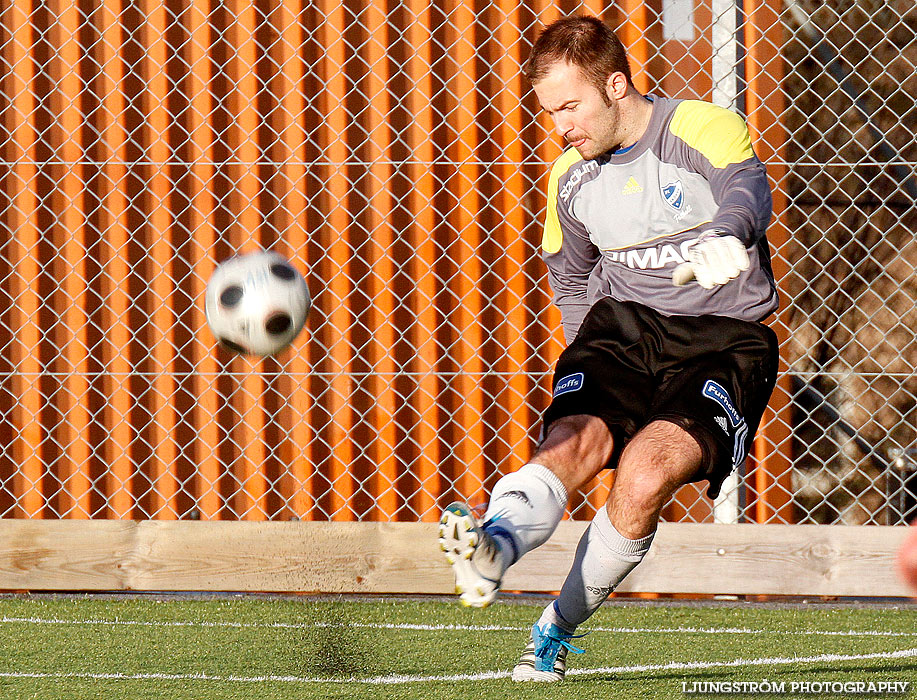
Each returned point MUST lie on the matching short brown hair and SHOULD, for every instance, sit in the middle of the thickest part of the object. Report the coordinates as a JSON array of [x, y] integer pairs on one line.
[[585, 42]]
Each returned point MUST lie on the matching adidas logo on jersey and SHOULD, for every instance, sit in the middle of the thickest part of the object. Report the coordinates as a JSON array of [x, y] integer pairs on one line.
[[632, 187], [720, 421]]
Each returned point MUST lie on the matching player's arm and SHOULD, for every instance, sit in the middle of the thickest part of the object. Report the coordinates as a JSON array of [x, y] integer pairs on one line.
[[570, 258], [716, 143]]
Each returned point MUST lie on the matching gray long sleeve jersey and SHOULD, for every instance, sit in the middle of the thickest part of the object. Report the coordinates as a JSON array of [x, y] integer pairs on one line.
[[618, 225]]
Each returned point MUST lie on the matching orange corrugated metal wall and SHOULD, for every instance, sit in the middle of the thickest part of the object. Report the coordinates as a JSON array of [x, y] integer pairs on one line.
[[387, 148]]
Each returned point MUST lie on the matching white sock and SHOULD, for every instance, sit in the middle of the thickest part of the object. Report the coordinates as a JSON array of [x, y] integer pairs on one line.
[[551, 616], [524, 510], [603, 558]]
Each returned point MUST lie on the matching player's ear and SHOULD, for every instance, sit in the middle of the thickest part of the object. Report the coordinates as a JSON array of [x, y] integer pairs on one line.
[[616, 85]]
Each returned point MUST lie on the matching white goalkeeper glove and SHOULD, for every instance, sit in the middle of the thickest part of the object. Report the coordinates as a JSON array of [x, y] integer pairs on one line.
[[713, 260]]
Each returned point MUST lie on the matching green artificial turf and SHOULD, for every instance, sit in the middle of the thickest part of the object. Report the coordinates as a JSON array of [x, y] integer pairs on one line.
[[279, 648]]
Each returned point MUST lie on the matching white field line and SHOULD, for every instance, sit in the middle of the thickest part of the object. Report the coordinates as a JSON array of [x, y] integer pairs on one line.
[[488, 675], [447, 628]]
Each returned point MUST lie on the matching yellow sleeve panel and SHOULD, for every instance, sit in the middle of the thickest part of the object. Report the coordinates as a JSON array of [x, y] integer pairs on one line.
[[553, 237], [719, 134]]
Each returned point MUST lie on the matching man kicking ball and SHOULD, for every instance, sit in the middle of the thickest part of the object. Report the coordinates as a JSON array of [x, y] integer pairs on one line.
[[655, 246]]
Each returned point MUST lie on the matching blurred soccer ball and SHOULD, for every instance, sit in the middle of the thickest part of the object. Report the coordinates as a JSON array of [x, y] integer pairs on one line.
[[257, 303]]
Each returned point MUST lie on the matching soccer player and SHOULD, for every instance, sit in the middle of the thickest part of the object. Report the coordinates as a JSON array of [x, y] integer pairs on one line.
[[664, 383]]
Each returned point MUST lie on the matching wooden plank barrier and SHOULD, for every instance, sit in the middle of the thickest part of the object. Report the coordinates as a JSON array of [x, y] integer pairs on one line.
[[393, 557]]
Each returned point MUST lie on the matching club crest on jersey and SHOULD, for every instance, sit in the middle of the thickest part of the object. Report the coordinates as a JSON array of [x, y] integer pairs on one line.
[[572, 382], [674, 194]]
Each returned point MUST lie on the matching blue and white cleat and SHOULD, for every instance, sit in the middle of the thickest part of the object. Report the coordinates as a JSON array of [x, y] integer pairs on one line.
[[473, 555], [545, 657]]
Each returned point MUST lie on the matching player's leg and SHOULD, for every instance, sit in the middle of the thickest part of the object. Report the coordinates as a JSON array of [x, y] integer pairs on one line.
[[597, 398], [660, 459], [526, 506], [656, 462], [524, 509]]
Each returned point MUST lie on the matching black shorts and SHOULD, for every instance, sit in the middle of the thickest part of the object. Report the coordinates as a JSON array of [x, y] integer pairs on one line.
[[630, 365]]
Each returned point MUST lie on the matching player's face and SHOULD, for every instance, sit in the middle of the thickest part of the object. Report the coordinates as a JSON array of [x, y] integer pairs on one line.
[[582, 115]]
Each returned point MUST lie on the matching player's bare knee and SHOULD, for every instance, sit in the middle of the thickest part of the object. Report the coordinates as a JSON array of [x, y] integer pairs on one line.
[[581, 436], [644, 489], [575, 448]]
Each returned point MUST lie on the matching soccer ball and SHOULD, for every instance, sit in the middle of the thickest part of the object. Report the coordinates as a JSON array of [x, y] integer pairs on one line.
[[256, 303]]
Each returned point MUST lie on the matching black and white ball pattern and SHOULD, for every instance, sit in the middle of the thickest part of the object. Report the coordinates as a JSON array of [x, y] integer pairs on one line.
[[257, 303]]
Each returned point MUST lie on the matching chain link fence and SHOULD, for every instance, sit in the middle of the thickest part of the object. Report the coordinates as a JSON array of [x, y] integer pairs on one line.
[[393, 152]]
